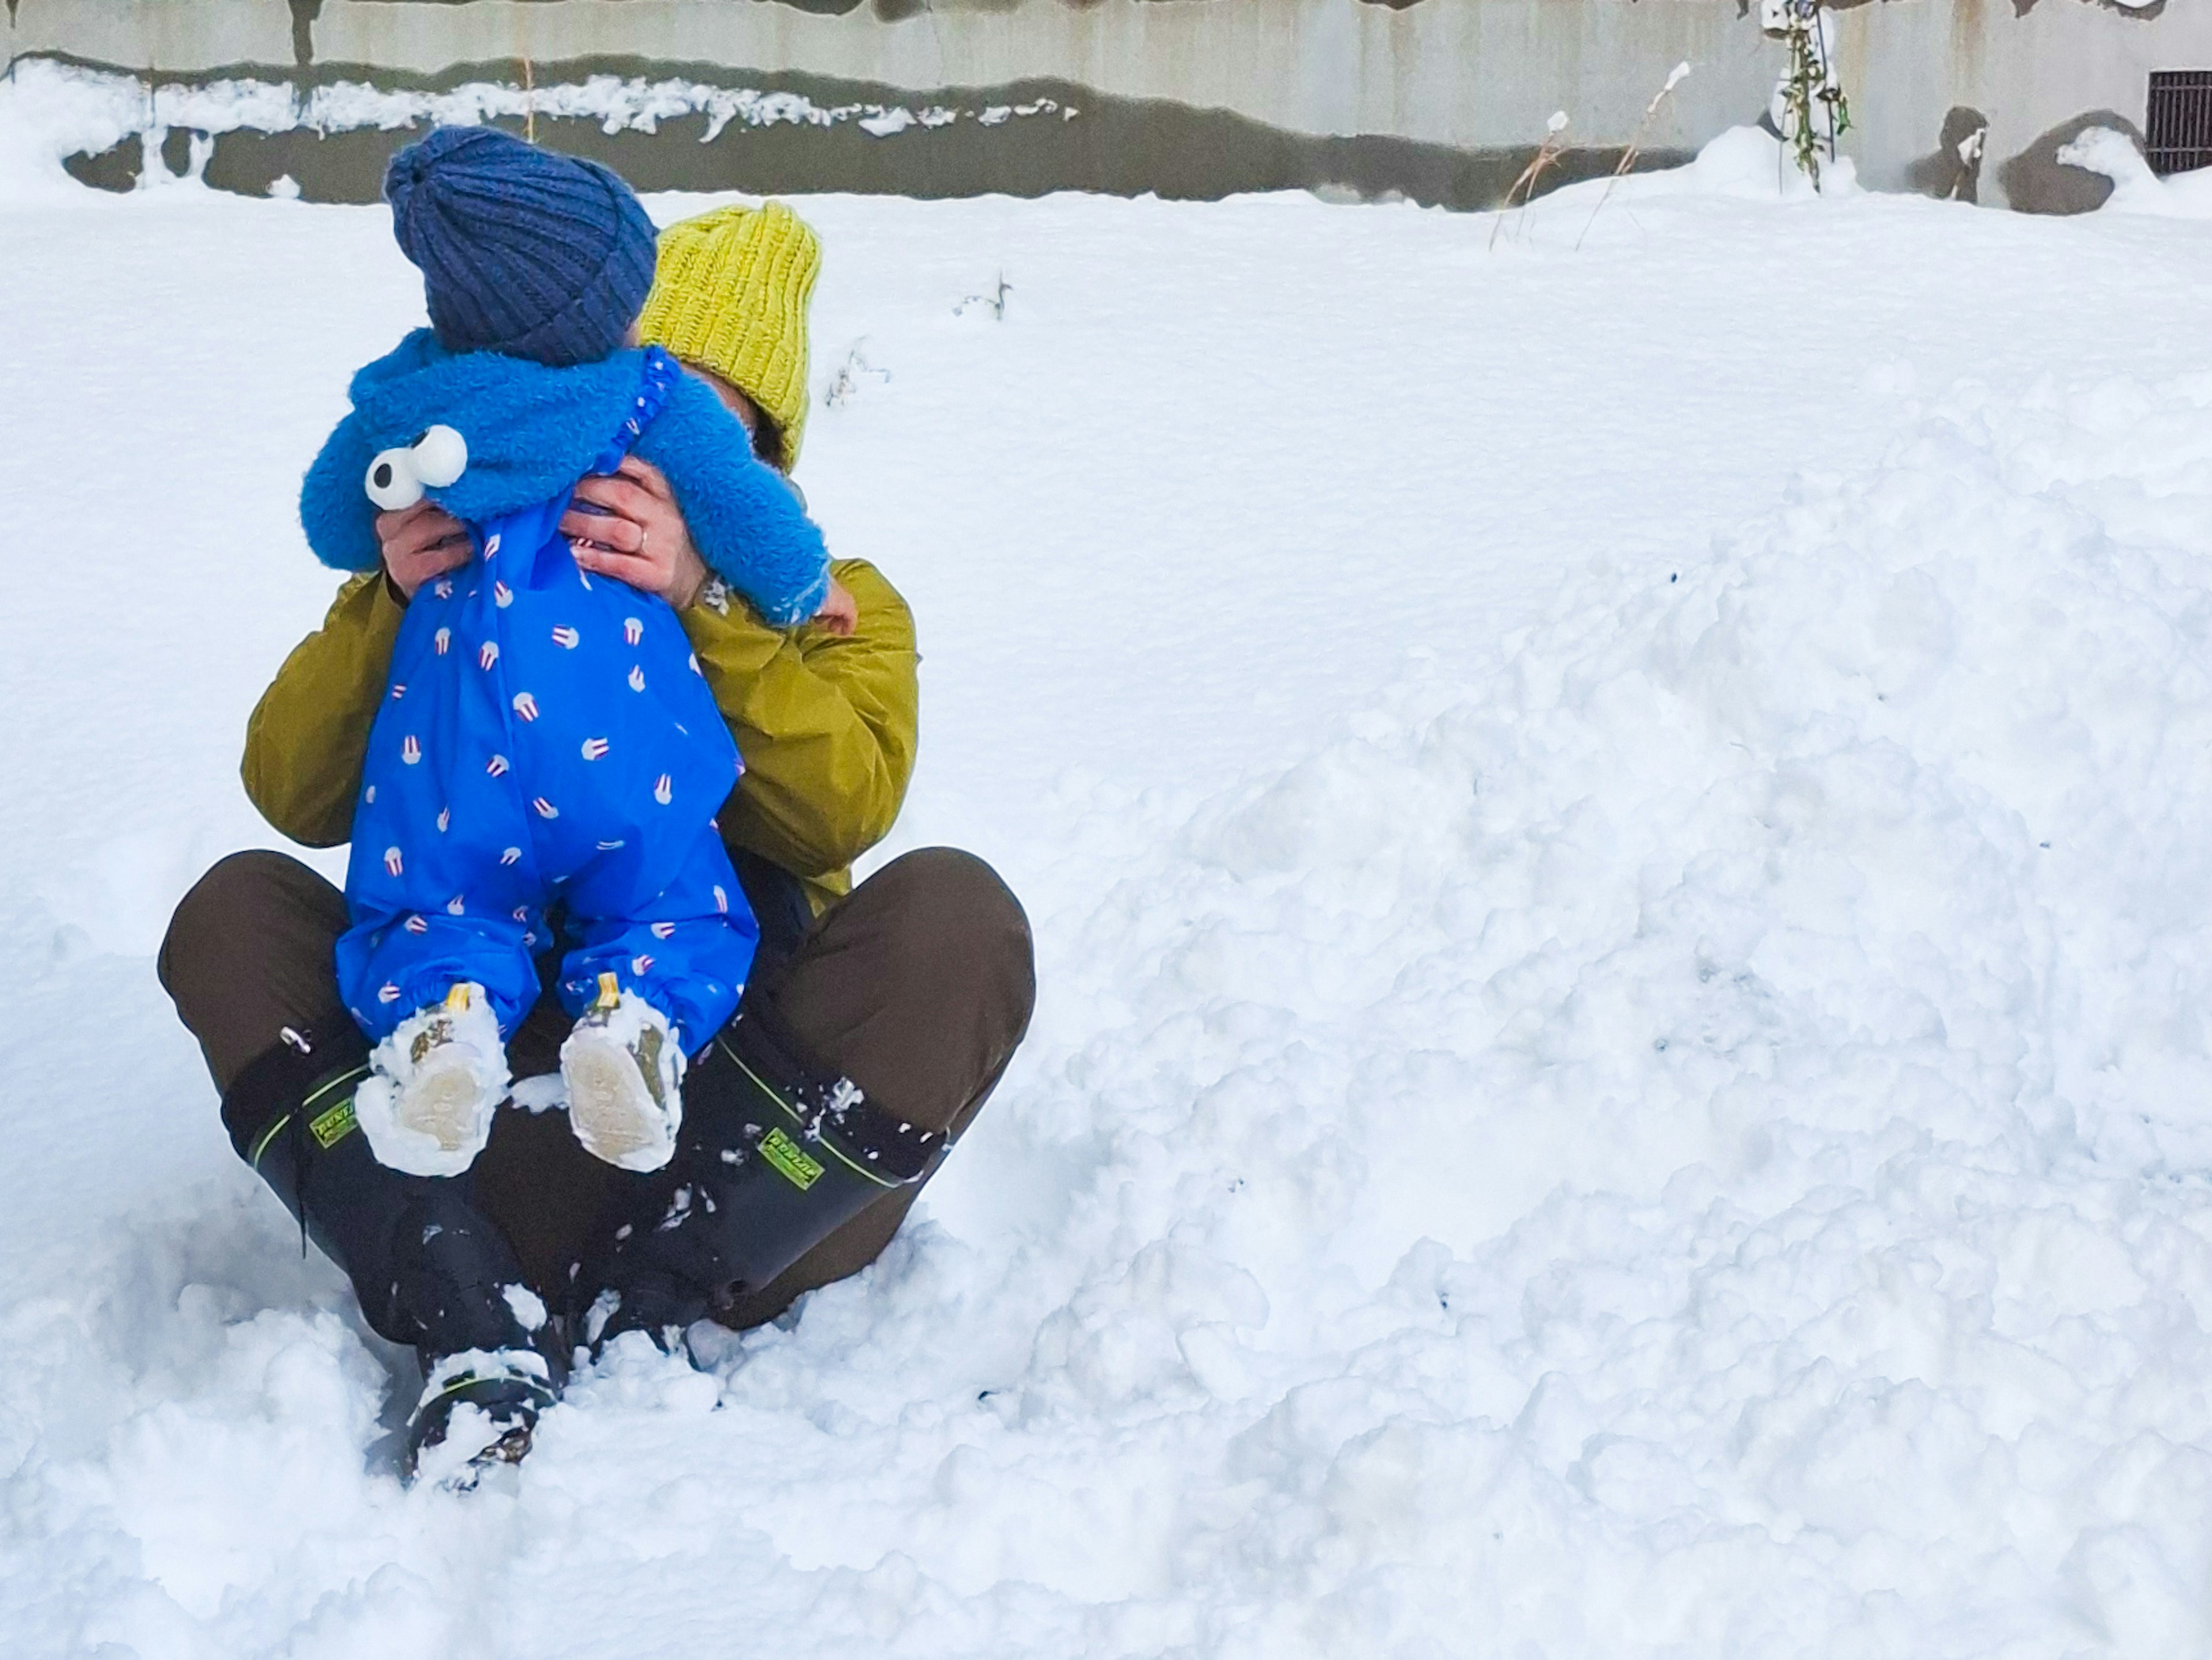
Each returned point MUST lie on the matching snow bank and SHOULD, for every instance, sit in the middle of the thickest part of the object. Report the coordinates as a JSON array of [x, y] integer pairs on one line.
[[1744, 164], [1690, 1141], [47, 112], [1859, 880], [1623, 1139], [2136, 188]]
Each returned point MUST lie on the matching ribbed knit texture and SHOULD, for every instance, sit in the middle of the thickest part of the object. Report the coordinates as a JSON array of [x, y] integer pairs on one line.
[[522, 250], [731, 295]]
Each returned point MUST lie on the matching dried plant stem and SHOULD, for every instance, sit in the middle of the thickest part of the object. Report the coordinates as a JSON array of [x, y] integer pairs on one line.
[[1635, 146], [1555, 140]]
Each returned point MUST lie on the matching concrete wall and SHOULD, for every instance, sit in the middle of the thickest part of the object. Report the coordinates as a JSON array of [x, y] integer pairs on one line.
[[1443, 99]]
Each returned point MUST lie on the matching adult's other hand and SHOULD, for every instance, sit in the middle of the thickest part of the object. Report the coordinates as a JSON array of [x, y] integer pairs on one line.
[[420, 542], [641, 537]]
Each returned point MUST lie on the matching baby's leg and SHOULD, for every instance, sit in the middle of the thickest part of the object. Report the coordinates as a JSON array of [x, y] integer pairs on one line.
[[685, 950], [444, 989], [649, 986], [392, 966]]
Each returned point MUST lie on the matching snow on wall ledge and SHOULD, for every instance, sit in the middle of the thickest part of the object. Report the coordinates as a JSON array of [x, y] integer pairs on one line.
[[330, 140], [1439, 99]]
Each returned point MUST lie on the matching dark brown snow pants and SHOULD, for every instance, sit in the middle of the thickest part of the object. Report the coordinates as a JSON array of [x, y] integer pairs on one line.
[[917, 987]]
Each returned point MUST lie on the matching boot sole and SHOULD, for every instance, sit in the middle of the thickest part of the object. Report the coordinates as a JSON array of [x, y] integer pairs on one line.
[[445, 1102], [610, 1109]]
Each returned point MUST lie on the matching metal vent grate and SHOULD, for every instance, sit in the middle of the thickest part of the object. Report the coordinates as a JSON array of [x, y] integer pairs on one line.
[[2179, 121]]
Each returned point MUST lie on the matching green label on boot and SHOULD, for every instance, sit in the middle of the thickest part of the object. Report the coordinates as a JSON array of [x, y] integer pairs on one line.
[[334, 1126], [781, 1151]]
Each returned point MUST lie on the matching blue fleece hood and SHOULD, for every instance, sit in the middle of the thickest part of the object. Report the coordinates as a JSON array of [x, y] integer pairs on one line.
[[532, 432]]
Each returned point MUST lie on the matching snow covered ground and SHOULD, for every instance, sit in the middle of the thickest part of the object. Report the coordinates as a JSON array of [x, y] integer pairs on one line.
[[1621, 842]]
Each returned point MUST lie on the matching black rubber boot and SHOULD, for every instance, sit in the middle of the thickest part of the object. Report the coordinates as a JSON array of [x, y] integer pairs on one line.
[[774, 1155], [487, 1405], [428, 1267]]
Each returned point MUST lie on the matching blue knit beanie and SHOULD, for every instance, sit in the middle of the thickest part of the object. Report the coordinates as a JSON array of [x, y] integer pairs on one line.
[[522, 250]]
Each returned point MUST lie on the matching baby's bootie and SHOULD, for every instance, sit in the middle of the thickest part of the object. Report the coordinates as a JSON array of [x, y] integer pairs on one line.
[[624, 1072], [427, 1108]]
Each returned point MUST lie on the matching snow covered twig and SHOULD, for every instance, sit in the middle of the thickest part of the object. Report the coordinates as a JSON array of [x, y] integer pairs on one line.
[[1525, 186], [1675, 76], [851, 375], [993, 301]]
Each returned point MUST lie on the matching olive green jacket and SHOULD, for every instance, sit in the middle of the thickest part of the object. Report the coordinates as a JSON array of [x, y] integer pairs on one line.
[[826, 726]]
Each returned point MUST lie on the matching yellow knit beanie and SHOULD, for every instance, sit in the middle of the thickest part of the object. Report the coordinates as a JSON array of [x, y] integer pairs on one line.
[[730, 291]]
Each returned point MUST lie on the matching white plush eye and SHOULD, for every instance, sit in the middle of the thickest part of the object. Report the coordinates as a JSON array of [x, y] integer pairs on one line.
[[442, 456], [391, 483]]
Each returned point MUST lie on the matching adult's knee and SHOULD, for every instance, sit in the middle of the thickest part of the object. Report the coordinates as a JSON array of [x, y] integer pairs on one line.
[[207, 920], [918, 986], [948, 920]]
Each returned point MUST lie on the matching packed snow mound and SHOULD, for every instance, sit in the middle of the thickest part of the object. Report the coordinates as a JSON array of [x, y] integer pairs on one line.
[[2136, 188], [1752, 165], [1687, 1140], [1743, 164], [1828, 926], [48, 111]]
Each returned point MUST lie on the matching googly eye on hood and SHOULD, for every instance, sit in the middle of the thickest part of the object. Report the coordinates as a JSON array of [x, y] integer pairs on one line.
[[398, 478]]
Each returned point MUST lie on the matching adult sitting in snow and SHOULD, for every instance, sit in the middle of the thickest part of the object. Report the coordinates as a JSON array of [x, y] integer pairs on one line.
[[916, 986]]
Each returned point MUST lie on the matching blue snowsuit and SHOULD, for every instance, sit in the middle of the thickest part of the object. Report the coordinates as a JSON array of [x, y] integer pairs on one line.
[[547, 735]]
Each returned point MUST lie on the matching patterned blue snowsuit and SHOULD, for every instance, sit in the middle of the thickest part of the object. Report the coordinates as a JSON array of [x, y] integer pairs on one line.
[[545, 735]]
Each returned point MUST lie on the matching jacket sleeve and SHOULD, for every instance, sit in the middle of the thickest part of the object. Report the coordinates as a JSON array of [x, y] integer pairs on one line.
[[334, 506], [308, 735], [826, 728], [748, 524]]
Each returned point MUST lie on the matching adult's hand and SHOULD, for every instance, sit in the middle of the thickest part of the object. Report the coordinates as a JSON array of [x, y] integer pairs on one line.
[[641, 538], [420, 542]]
